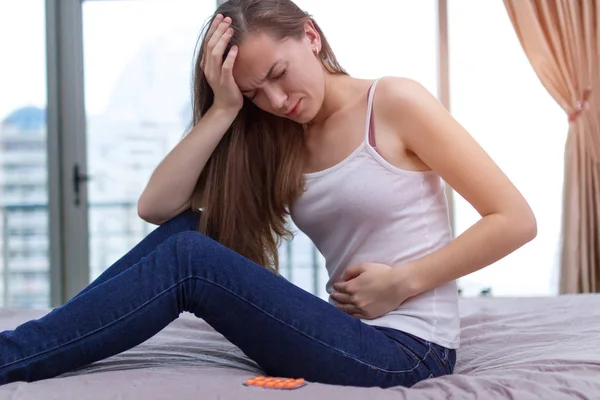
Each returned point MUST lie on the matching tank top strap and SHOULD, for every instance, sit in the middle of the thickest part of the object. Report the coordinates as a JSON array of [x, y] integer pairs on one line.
[[369, 124]]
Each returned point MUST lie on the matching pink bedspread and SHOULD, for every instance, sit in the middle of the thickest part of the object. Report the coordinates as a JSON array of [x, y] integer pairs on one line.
[[542, 348]]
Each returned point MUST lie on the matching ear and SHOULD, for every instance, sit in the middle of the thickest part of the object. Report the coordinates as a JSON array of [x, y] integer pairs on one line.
[[312, 35]]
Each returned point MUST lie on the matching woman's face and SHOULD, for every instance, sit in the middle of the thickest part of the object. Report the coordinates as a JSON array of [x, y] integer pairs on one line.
[[282, 77]]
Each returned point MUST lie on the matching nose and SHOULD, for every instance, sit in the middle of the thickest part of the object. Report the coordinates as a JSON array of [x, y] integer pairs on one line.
[[276, 96]]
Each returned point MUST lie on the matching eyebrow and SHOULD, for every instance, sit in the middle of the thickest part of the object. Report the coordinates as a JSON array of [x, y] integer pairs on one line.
[[267, 76]]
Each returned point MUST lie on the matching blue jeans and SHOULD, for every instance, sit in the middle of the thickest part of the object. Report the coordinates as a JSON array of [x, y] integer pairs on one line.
[[284, 329]]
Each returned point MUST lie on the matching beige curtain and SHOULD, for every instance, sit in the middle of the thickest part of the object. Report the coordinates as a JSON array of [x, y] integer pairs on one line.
[[561, 39]]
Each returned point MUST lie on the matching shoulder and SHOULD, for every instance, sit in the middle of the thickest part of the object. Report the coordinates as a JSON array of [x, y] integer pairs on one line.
[[406, 103], [400, 88], [403, 96]]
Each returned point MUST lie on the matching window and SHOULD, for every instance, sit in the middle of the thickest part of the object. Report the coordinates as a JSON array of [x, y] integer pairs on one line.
[[137, 82], [370, 46], [22, 151], [496, 95]]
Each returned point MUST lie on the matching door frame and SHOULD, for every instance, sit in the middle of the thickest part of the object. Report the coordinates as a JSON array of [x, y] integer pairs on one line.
[[68, 221]]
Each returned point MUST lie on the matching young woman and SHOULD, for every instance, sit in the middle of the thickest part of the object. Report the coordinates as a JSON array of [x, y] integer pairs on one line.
[[279, 127]]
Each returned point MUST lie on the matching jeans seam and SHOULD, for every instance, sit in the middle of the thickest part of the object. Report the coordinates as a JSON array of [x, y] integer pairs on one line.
[[439, 361], [96, 330], [239, 297]]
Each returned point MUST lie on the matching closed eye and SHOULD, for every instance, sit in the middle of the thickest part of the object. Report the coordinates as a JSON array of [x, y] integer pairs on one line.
[[281, 75]]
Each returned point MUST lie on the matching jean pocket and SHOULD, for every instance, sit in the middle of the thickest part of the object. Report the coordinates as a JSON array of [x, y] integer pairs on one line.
[[413, 346], [441, 357], [410, 352]]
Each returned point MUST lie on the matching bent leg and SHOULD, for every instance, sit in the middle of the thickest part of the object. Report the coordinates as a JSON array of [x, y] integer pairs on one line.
[[286, 330], [290, 332], [186, 221]]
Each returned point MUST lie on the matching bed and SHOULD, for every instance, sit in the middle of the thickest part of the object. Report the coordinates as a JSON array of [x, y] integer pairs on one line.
[[524, 348]]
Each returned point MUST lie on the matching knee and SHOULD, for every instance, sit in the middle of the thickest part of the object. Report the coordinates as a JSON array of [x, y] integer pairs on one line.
[[191, 241], [187, 220], [193, 254]]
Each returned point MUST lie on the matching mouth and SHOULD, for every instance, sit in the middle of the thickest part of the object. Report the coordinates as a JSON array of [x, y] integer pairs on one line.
[[294, 111]]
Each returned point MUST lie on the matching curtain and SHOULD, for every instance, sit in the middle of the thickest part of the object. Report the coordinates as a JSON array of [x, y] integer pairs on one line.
[[561, 39]]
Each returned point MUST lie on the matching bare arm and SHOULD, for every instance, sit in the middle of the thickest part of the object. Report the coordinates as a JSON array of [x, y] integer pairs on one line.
[[507, 221], [369, 290], [171, 185]]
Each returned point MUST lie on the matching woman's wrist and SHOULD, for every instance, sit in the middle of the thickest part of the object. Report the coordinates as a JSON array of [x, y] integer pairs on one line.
[[224, 114], [406, 282]]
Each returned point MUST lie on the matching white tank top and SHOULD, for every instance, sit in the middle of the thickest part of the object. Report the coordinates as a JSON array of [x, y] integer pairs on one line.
[[364, 209]]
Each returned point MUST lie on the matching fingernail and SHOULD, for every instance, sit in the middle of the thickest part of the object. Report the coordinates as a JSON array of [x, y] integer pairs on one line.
[[219, 16]]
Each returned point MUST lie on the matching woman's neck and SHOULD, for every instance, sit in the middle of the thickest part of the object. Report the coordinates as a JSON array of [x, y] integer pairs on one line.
[[338, 89]]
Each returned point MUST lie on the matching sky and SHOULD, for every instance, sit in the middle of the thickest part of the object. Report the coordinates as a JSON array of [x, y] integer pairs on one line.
[[23, 65], [113, 32]]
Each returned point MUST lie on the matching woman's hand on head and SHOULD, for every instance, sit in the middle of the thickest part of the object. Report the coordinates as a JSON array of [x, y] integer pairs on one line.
[[219, 75]]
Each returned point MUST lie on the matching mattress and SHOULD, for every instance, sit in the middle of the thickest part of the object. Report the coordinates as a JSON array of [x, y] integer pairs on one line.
[[522, 348]]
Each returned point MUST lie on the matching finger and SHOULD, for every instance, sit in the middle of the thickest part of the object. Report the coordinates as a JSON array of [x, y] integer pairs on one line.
[[342, 298], [340, 286], [219, 49], [352, 272], [349, 308], [229, 61], [211, 30], [216, 36], [203, 60], [213, 26], [212, 53], [345, 287]]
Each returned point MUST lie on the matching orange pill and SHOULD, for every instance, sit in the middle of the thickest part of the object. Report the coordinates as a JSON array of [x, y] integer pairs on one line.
[[273, 382]]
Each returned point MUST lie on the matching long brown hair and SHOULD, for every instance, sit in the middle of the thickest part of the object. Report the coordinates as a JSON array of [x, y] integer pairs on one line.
[[256, 171]]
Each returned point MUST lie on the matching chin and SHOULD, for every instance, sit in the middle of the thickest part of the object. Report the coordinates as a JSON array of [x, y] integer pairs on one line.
[[307, 115], [303, 119]]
